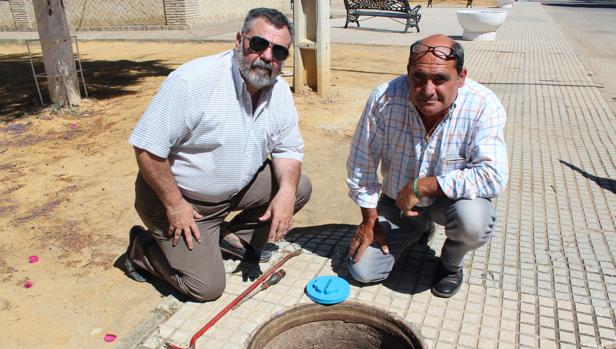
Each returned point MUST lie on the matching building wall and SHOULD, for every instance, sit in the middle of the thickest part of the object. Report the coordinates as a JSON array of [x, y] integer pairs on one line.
[[6, 17], [137, 14], [216, 11], [19, 14], [110, 13]]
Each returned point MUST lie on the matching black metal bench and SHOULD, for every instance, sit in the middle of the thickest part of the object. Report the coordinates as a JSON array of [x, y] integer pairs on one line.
[[382, 8]]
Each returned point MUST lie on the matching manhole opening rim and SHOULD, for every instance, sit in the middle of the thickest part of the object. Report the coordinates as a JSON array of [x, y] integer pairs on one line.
[[348, 311]]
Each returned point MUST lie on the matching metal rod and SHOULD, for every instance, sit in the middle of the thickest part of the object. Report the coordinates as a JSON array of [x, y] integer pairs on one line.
[[34, 73], [247, 291], [273, 280], [85, 89], [63, 76]]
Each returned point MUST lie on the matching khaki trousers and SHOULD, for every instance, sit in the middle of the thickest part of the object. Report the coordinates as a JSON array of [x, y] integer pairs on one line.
[[200, 273]]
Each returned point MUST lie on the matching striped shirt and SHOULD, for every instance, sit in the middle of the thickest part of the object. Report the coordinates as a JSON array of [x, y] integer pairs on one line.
[[466, 152], [202, 120]]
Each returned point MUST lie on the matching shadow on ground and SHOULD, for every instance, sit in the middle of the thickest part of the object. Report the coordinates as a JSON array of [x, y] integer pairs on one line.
[[353, 26], [249, 270], [104, 79], [604, 183], [160, 285], [411, 274]]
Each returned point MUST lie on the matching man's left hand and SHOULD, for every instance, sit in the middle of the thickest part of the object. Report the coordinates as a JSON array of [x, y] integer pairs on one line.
[[280, 211], [406, 200]]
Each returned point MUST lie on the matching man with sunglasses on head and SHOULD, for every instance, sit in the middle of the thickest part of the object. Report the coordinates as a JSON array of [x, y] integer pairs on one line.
[[437, 137], [221, 135]]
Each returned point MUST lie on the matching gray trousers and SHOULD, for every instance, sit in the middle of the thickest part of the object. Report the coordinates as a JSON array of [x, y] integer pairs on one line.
[[468, 225], [200, 273]]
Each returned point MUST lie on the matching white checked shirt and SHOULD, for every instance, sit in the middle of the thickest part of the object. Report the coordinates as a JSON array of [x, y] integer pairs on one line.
[[202, 121], [466, 152]]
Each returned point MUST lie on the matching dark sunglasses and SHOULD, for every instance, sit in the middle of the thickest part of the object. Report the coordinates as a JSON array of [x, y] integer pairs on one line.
[[258, 44]]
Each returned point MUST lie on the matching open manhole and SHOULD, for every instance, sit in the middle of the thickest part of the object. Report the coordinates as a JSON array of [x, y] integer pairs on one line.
[[341, 326]]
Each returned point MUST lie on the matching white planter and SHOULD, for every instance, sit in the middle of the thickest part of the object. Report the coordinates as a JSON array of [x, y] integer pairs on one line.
[[504, 3], [481, 25]]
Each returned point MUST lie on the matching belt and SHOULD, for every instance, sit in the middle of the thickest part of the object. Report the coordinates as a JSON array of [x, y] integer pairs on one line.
[[204, 203]]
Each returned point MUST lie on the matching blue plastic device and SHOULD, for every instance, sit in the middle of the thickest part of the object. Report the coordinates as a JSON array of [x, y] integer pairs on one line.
[[328, 289]]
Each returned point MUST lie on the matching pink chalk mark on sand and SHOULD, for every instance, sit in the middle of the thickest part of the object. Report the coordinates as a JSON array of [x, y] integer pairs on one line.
[[110, 337], [33, 259], [73, 126], [28, 284]]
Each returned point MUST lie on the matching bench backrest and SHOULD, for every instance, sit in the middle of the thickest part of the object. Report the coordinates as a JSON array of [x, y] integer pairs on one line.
[[385, 5]]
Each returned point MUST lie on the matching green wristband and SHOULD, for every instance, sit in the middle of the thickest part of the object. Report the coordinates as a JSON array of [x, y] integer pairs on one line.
[[416, 188]]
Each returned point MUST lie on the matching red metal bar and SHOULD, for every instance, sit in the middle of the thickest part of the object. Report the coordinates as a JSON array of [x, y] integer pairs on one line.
[[237, 299]]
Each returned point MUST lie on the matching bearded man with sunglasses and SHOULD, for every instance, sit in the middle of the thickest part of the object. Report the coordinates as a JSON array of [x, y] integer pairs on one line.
[[221, 135], [437, 137]]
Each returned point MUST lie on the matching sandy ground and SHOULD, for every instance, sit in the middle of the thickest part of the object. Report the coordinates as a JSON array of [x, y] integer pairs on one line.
[[67, 184]]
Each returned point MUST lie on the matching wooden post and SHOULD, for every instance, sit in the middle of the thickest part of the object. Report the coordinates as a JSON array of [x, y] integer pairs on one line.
[[312, 57], [57, 48], [323, 55]]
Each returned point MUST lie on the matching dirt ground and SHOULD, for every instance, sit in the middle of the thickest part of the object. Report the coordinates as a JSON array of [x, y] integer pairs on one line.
[[66, 183]]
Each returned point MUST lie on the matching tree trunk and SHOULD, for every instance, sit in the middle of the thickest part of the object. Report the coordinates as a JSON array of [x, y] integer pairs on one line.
[[57, 48]]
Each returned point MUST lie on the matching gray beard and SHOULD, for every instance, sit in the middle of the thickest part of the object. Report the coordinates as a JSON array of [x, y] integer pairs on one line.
[[258, 74]]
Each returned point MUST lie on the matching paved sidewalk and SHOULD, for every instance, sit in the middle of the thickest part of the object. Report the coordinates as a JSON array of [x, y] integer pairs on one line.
[[547, 279]]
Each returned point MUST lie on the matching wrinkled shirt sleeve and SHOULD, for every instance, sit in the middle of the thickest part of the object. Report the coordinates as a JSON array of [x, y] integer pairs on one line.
[[486, 172], [167, 120], [290, 143], [365, 155]]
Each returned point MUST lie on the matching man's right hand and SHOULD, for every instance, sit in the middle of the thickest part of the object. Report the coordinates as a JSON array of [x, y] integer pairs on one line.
[[181, 215], [369, 231], [181, 218]]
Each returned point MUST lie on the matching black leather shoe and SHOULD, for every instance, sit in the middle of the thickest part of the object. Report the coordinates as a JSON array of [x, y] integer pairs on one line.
[[446, 283], [133, 271]]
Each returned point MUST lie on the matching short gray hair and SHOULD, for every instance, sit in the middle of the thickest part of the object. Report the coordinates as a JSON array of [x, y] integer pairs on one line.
[[273, 16]]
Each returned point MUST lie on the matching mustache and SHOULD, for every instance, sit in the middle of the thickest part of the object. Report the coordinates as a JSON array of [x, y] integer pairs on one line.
[[258, 63], [427, 99]]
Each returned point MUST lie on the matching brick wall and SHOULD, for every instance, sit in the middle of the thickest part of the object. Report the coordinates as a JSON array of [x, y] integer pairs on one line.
[[110, 13], [6, 17], [22, 13], [181, 12], [136, 14], [215, 11]]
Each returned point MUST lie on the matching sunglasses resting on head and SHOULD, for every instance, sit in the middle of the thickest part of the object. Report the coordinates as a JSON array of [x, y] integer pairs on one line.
[[442, 52], [258, 44]]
